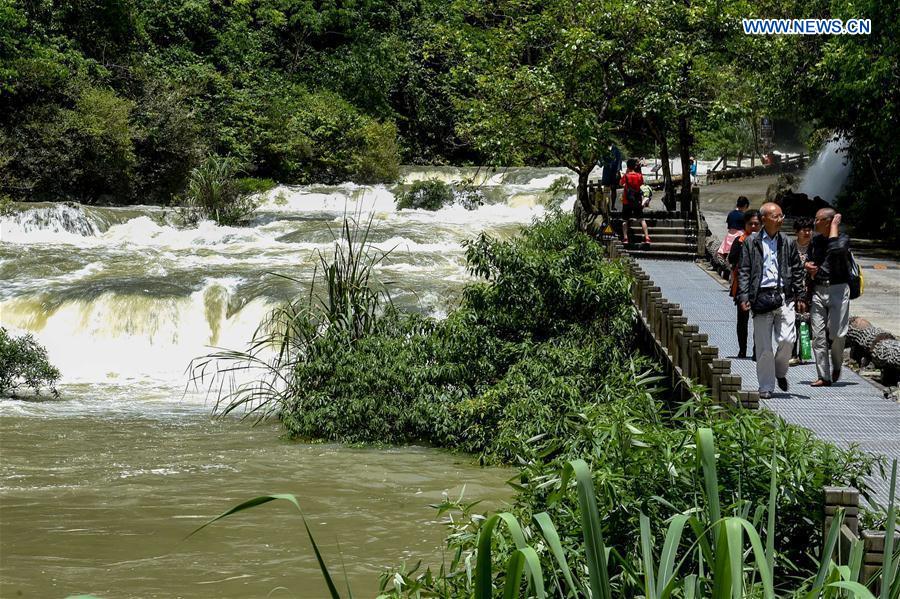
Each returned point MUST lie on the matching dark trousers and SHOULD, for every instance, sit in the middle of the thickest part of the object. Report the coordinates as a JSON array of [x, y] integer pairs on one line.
[[743, 324]]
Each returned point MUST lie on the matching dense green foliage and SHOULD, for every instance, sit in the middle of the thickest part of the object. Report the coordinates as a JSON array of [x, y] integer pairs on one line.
[[432, 194], [24, 363], [214, 192], [716, 548], [117, 101]]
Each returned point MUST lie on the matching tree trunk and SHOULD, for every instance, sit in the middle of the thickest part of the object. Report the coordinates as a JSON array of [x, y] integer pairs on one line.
[[583, 214], [740, 158], [659, 133], [684, 139], [668, 186]]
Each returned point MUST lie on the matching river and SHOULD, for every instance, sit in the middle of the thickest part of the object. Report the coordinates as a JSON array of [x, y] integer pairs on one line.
[[99, 487]]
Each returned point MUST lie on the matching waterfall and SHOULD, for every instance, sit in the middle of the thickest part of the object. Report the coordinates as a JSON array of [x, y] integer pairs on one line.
[[121, 294], [57, 218], [826, 176]]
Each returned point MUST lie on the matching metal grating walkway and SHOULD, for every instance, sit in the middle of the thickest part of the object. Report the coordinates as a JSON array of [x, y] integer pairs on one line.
[[851, 411]]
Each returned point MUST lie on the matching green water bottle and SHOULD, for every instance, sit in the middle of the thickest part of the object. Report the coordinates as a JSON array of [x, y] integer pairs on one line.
[[805, 344]]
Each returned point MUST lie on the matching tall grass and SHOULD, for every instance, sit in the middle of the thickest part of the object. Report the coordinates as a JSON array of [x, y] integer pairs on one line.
[[342, 306], [214, 192], [710, 551]]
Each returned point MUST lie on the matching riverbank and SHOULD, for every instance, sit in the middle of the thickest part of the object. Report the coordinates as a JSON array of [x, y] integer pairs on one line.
[[515, 345], [99, 487]]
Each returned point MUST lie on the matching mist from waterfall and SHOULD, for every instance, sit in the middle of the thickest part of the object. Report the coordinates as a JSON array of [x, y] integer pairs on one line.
[[826, 176]]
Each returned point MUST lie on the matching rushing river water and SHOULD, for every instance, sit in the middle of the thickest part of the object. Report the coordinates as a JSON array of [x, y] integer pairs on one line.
[[99, 487]]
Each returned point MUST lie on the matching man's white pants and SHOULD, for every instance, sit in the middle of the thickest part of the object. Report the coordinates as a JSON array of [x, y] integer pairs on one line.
[[829, 321], [772, 364]]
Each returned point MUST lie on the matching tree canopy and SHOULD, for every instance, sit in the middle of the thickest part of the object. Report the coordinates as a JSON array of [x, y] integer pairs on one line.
[[117, 100]]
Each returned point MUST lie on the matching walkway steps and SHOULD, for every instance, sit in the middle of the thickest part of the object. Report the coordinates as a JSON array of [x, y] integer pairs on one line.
[[672, 237], [662, 255]]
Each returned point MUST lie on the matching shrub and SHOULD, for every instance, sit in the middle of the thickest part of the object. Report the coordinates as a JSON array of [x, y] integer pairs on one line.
[[6, 205], [318, 137], [377, 156], [214, 193], [432, 194], [468, 196], [84, 153], [23, 363], [254, 185]]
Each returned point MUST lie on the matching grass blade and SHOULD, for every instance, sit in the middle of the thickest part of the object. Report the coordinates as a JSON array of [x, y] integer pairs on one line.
[[257, 501], [552, 537], [650, 591], [483, 586], [890, 527], [855, 588], [706, 449], [761, 557], [667, 558], [515, 567], [595, 550], [770, 520], [828, 550]]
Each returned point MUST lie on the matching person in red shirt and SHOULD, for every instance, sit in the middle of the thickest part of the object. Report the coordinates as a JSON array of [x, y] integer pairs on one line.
[[632, 199]]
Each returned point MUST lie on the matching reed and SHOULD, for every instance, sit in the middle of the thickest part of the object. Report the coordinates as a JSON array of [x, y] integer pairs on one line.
[[343, 304]]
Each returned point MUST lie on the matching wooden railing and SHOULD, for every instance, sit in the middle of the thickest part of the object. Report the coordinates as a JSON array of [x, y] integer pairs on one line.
[[683, 350], [789, 164], [847, 499]]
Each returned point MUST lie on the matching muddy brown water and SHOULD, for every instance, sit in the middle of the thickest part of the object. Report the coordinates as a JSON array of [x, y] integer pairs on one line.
[[91, 504]]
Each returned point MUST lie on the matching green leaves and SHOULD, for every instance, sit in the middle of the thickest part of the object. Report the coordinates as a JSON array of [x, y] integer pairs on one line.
[[24, 363]]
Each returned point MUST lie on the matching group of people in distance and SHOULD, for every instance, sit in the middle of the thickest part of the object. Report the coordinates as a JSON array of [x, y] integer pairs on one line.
[[782, 282], [635, 195]]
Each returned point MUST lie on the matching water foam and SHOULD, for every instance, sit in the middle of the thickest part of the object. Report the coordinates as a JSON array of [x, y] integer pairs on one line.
[[117, 337], [48, 223]]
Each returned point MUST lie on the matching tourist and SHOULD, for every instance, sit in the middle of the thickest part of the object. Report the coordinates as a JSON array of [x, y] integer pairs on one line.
[[751, 224], [694, 177], [609, 178], [734, 222], [803, 229], [828, 266], [632, 199], [770, 284]]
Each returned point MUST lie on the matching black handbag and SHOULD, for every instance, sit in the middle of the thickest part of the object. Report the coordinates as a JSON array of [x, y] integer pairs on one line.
[[768, 300]]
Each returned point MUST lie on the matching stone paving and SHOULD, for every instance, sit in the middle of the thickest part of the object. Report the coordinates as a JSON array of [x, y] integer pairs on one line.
[[852, 411]]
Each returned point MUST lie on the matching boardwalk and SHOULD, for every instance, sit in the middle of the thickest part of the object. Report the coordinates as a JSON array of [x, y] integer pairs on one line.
[[851, 411]]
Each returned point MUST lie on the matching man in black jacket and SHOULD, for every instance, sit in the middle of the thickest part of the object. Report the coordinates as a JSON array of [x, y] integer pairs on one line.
[[829, 269], [770, 283]]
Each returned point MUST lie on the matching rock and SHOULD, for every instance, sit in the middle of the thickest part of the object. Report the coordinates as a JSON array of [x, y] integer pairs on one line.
[[863, 337], [886, 356], [718, 262]]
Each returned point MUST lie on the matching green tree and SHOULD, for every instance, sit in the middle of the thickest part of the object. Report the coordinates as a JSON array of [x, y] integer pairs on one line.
[[852, 87], [24, 363], [547, 78]]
